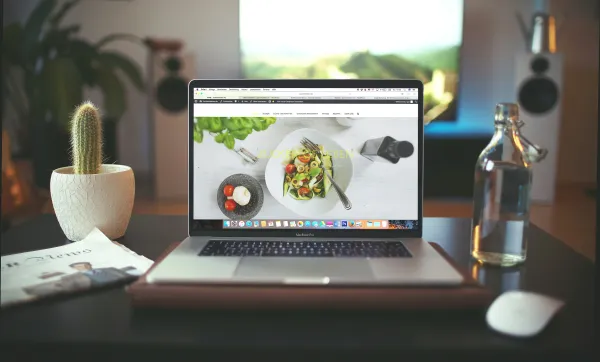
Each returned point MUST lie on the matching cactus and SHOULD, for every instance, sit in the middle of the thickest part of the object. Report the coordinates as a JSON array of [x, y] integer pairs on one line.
[[86, 139]]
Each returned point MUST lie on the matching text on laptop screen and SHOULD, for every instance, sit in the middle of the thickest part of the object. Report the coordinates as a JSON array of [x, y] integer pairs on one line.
[[271, 158]]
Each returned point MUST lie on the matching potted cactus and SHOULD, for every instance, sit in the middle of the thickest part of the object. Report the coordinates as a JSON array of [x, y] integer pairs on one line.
[[89, 193]]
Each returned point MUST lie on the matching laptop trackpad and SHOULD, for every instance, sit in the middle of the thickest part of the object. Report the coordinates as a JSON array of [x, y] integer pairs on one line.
[[268, 268]]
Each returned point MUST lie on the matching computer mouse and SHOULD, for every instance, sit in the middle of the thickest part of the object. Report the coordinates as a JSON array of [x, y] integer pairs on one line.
[[522, 314]]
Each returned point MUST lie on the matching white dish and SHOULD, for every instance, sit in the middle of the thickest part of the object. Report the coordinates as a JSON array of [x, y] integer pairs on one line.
[[341, 165]]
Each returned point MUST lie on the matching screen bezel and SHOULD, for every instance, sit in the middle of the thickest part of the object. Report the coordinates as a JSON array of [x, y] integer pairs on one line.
[[304, 83]]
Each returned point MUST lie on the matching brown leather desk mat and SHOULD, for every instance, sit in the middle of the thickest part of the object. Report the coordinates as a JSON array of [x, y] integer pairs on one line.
[[470, 295]]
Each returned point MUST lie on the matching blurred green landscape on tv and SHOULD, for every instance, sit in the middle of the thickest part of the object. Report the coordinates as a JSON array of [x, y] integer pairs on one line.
[[337, 39], [437, 69]]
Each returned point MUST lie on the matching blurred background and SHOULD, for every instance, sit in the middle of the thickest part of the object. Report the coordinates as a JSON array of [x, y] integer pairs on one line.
[[133, 58]]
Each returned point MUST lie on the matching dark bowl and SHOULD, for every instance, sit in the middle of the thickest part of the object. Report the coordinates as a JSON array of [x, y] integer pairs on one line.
[[245, 212]]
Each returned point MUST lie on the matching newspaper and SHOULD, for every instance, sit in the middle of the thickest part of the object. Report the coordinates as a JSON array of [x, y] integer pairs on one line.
[[91, 263]]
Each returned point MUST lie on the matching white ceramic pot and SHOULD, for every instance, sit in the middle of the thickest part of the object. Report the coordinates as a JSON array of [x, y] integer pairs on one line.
[[103, 200]]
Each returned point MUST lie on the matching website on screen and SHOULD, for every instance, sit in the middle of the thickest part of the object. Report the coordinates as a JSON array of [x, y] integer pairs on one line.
[[305, 158]]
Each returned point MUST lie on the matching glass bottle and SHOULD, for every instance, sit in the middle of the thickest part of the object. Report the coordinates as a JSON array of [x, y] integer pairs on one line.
[[503, 175]]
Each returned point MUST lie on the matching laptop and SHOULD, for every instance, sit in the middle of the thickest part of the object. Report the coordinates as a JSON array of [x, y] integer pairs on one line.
[[305, 182]]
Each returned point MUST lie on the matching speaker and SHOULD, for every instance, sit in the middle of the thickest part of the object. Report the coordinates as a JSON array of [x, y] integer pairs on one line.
[[539, 87], [171, 73]]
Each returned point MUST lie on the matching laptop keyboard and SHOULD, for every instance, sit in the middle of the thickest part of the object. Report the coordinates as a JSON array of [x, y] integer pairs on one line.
[[368, 249]]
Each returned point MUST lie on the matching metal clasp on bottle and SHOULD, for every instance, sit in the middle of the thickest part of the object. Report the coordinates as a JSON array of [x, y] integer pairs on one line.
[[533, 152]]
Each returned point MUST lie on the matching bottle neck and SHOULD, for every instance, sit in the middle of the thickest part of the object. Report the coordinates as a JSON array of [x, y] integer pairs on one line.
[[504, 134], [507, 133], [507, 128]]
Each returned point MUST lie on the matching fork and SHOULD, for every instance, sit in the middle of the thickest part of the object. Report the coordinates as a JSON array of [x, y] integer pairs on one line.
[[313, 147], [246, 155]]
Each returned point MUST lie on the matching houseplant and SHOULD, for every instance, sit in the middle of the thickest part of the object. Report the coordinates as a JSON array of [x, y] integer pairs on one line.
[[91, 194], [46, 68]]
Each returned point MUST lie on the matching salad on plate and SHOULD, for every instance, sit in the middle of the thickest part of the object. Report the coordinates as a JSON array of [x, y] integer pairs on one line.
[[304, 178]]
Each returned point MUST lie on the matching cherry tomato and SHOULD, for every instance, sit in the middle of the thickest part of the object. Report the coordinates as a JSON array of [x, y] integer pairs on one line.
[[230, 205], [228, 190], [304, 158], [290, 169], [303, 191]]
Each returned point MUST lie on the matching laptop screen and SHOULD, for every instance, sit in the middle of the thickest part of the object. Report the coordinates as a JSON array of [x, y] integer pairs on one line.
[[302, 158]]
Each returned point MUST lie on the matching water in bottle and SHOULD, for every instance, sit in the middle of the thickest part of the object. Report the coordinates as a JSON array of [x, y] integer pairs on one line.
[[503, 175]]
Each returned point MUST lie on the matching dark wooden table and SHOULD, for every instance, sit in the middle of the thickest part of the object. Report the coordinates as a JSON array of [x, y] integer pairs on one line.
[[103, 325]]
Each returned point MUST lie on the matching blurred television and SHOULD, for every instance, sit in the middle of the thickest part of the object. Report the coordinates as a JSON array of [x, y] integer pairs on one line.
[[382, 39]]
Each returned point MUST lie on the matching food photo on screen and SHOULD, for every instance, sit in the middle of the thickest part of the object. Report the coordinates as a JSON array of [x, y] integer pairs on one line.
[[272, 169]]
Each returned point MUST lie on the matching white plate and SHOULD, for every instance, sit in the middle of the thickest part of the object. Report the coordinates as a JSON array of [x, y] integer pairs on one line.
[[275, 173]]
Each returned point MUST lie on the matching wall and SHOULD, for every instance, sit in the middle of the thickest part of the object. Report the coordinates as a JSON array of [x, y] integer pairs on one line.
[[578, 40], [491, 36]]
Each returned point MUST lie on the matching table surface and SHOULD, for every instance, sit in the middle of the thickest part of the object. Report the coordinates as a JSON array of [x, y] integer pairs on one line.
[[105, 319]]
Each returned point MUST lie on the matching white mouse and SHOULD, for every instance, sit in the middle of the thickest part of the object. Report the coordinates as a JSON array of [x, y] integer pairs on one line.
[[521, 314]]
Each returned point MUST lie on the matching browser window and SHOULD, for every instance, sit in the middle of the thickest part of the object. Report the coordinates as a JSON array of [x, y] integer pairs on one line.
[[305, 158]]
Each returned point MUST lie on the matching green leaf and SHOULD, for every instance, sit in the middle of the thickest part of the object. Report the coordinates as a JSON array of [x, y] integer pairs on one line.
[[63, 88], [83, 54], [215, 124], [229, 141], [232, 124], [58, 39], [314, 171], [32, 31], [64, 9], [115, 100], [202, 122], [300, 176], [131, 69], [246, 122], [220, 138], [198, 135], [257, 125], [240, 135], [119, 36], [12, 39]]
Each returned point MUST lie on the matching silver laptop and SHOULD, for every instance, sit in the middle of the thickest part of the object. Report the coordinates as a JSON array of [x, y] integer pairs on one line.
[[305, 182]]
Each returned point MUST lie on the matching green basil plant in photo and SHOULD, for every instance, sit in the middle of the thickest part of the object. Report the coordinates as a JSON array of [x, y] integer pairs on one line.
[[226, 130], [46, 67]]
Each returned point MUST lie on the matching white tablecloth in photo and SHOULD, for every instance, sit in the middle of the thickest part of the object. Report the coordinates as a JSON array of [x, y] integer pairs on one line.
[[377, 190]]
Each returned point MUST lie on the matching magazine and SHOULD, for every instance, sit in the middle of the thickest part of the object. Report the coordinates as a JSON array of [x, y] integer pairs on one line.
[[91, 263]]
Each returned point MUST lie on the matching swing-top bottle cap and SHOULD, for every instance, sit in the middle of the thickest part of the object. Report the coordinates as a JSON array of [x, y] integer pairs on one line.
[[506, 112]]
